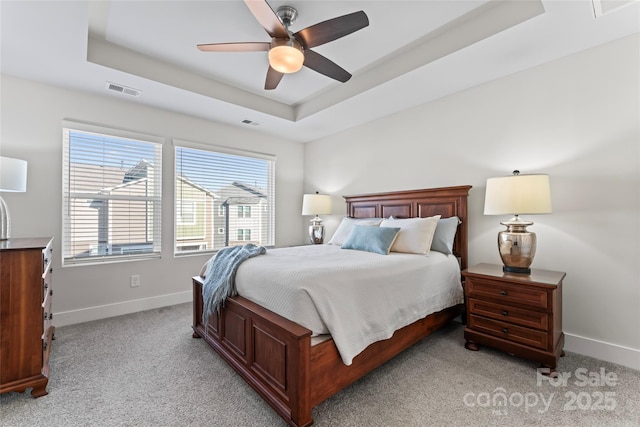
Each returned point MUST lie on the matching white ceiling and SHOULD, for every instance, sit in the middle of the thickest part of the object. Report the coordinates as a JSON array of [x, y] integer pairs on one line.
[[411, 53]]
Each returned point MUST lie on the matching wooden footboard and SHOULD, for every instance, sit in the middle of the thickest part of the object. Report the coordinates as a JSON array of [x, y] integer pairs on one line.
[[275, 357], [270, 352]]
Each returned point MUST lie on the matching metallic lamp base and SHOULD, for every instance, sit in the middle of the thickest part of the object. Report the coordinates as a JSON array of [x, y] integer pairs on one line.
[[517, 246], [316, 231], [5, 221]]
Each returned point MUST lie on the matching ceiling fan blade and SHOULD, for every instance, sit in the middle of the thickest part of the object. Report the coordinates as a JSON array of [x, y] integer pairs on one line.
[[273, 78], [331, 29], [267, 18], [325, 66], [235, 47]]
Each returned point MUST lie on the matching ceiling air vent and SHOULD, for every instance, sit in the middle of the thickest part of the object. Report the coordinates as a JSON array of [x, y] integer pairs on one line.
[[250, 122], [123, 89], [602, 7]]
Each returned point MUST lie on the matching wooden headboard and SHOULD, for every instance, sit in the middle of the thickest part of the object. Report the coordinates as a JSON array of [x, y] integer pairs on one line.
[[446, 201]]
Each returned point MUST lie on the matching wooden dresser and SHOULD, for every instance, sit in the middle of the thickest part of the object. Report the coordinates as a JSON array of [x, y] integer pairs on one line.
[[517, 313], [25, 314]]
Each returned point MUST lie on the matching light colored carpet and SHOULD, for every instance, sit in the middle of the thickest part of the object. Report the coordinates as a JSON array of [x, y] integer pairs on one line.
[[144, 369]]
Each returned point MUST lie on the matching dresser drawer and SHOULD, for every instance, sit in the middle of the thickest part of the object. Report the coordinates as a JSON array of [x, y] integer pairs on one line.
[[507, 293], [518, 316], [508, 331]]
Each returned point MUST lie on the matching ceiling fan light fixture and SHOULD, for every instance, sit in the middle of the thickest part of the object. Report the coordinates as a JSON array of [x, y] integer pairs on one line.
[[285, 55]]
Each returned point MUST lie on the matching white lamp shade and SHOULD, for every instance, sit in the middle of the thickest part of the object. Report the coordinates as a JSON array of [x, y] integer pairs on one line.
[[518, 194], [13, 175], [316, 204]]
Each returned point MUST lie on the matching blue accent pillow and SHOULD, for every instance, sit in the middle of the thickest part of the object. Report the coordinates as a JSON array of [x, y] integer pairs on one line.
[[445, 234], [371, 239]]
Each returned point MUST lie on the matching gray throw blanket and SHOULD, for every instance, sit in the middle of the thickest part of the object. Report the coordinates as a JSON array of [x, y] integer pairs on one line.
[[220, 276]]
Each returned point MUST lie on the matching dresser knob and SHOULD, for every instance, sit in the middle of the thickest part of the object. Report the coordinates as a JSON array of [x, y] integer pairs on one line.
[[46, 315], [505, 313], [505, 330], [503, 293], [50, 316]]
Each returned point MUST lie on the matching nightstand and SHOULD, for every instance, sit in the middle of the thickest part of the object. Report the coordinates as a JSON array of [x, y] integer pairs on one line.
[[517, 313]]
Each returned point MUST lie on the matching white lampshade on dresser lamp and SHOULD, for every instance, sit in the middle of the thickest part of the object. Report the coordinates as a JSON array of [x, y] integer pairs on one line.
[[13, 179], [514, 195], [316, 204]]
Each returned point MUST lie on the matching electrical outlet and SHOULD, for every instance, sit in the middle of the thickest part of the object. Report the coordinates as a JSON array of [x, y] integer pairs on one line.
[[135, 280]]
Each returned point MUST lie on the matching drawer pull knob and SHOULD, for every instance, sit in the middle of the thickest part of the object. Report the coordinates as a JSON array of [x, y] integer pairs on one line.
[[51, 292], [46, 315], [50, 316], [503, 293], [505, 313], [505, 330]]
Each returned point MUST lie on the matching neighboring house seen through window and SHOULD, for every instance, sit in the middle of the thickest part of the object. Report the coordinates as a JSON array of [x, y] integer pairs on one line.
[[232, 194], [111, 196]]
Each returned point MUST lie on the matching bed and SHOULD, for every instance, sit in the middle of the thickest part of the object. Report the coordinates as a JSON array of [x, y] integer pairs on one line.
[[278, 357]]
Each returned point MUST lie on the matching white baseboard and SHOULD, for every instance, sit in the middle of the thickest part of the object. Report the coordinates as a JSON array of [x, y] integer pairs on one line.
[[110, 310], [613, 353]]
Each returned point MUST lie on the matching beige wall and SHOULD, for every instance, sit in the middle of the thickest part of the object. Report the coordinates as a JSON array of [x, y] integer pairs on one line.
[[576, 119], [32, 115]]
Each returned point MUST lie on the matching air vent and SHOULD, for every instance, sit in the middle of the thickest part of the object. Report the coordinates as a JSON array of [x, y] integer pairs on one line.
[[250, 122], [602, 7], [123, 89]]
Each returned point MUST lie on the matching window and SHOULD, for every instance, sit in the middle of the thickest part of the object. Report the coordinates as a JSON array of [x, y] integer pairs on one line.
[[111, 195], [244, 211], [244, 234], [234, 191]]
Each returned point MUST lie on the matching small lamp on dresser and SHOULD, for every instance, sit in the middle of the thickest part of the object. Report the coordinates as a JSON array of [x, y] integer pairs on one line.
[[316, 204], [514, 195], [13, 178]]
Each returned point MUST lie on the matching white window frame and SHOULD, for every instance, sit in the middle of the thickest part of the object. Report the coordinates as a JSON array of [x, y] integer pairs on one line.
[[154, 200], [222, 211]]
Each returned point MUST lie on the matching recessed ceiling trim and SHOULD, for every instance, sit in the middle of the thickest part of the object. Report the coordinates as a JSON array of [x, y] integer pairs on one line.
[[110, 55], [485, 21]]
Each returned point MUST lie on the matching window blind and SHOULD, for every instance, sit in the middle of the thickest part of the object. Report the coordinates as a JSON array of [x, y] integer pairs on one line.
[[228, 197], [112, 196]]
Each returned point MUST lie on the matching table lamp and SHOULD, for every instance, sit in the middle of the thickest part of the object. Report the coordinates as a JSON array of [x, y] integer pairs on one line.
[[13, 178], [514, 195], [316, 204]]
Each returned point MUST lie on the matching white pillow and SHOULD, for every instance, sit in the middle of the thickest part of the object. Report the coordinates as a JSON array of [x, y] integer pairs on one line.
[[346, 226], [416, 234]]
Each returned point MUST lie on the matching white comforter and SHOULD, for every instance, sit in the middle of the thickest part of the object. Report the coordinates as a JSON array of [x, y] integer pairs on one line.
[[358, 297]]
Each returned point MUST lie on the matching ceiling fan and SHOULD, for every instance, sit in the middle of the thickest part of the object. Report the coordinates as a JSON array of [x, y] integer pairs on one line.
[[289, 51]]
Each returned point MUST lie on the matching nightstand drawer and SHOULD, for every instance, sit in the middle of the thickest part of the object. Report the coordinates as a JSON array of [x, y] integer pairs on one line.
[[507, 331], [519, 316], [507, 293]]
